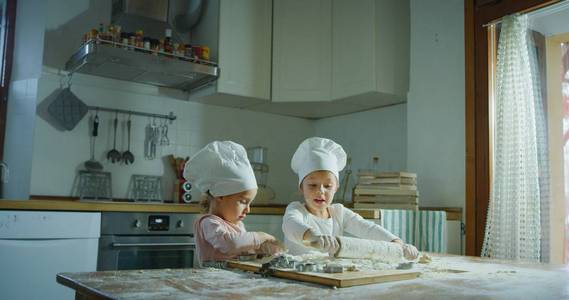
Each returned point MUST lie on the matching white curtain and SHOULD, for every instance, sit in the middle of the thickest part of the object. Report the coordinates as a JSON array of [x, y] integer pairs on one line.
[[513, 228]]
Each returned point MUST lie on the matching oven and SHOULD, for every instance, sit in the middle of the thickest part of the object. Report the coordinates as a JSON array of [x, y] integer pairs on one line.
[[145, 241]]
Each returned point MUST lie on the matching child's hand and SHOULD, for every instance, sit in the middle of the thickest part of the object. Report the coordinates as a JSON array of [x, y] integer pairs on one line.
[[271, 247], [409, 251], [263, 237], [327, 243]]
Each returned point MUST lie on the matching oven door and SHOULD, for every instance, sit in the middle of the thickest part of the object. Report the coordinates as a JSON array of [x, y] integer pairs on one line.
[[145, 252]]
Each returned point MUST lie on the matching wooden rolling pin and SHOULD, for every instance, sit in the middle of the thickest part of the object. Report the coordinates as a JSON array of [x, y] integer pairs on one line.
[[362, 248]]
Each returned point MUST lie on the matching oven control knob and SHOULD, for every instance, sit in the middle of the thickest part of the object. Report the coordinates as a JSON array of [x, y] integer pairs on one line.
[[180, 224], [137, 224]]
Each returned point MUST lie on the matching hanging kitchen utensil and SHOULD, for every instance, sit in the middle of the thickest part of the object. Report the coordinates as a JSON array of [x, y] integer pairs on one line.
[[114, 155], [67, 109], [152, 138], [95, 185], [148, 138], [146, 188], [164, 140], [127, 156], [155, 138], [92, 164]]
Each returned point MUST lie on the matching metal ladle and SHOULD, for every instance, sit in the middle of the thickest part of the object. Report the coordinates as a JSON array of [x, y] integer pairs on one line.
[[127, 156], [114, 155]]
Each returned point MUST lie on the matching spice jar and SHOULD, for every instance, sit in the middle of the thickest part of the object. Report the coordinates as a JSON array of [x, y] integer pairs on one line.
[[197, 51], [205, 53], [124, 40], [146, 44], [188, 51], [168, 41], [131, 41]]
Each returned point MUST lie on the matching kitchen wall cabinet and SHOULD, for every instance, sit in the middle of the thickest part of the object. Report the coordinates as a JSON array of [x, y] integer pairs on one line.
[[392, 47], [245, 48], [353, 45], [354, 56], [302, 50], [243, 30], [341, 50]]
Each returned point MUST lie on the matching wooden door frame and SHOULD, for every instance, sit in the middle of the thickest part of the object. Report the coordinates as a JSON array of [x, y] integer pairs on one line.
[[6, 68], [477, 13]]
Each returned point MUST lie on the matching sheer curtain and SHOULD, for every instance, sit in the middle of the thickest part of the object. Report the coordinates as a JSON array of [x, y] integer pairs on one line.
[[513, 228], [565, 95]]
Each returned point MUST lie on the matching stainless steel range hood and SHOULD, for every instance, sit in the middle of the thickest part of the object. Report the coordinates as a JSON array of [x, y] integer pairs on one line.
[[106, 59]]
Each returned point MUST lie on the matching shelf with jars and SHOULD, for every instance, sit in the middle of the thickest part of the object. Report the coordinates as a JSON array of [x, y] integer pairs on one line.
[[124, 56]]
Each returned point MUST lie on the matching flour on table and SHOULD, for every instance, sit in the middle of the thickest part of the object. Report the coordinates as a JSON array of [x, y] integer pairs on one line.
[[350, 264]]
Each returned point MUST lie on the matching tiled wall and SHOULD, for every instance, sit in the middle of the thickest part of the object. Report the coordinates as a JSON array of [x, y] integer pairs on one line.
[[58, 155], [19, 137]]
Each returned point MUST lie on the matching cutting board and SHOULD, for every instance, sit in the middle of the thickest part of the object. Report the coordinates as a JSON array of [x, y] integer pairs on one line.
[[345, 279]]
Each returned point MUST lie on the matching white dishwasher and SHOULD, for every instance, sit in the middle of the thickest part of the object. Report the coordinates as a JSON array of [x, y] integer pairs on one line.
[[36, 245]]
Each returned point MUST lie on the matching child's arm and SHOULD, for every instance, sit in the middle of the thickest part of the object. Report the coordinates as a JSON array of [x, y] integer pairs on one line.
[[356, 225], [228, 242], [294, 226]]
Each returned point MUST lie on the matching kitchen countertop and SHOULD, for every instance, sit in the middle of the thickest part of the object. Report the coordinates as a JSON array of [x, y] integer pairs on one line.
[[102, 206], [71, 204], [484, 278]]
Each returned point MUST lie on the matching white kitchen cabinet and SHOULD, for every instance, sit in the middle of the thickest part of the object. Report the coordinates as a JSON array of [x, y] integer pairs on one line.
[[336, 49], [302, 50], [350, 55], [392, 47], [353, 45], [245, 48], [240, 35], [36, 245]]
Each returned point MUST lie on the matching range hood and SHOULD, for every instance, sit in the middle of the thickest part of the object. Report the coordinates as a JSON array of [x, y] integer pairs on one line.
[[106, 59]]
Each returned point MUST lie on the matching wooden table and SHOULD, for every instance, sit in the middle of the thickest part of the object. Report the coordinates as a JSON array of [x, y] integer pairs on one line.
[[442, 279]]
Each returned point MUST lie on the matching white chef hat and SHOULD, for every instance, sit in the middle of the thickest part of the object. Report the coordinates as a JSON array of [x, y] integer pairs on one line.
[[222, 168], [317, 154]]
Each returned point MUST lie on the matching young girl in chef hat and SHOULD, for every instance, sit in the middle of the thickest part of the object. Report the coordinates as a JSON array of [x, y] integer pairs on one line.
[[316, 221], [223, 173]]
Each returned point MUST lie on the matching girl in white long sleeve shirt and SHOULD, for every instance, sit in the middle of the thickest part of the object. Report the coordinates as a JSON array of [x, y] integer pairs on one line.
[[315, 223], [298, 220]]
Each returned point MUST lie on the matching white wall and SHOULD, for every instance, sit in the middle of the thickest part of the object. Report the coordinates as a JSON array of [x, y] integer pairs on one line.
[[435, 107], [551, 20], [58, 155], [27, 64], [379, 132], [66, 22]]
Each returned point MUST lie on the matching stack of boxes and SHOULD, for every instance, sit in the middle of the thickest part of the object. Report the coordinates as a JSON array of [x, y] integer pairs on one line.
[[387, 190]]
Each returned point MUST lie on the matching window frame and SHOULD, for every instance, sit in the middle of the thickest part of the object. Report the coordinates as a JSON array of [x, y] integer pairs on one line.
[[6, 67], [478, 13]]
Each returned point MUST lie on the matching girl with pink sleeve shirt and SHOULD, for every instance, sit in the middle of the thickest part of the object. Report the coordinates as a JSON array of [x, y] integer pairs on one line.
[[222, 172]]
